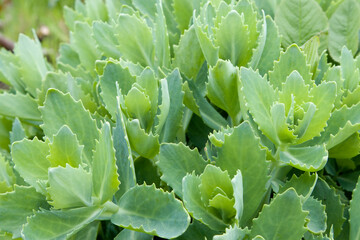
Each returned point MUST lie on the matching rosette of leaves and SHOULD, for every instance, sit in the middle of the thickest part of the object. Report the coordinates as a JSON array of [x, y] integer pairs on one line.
[[71, 180], [290, 110], [227, 193]]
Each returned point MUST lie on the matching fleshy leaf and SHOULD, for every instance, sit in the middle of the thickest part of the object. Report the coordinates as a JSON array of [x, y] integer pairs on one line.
[[259, 97], [344, 27], [292, 59], [234, 154], [135, 40], [303, 185], [59, 224], [127, 234], [167, 219], [310, 159], [290, 220], [355, 213], [104, 171], [233, 233], [16, 206], [70, 187], [232, 37], [65, 149], [334, 207], [299, 20], [61, 109], [7, 176], [177, 160], [316, 216], [106, 40], [237, 183], [30, 161], [195, 206], [222, 87], [17, 132], [19, 105]]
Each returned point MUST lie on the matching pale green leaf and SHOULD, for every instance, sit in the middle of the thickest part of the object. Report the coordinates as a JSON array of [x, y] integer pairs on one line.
[[299, 20], [127, 234], [183, 11], [177, 160], [16, 206], [238, 187], [89, 232], [289, 222], [188, 54], [280, 124], [30, 161], [334, 206], [355, 214], [70, 187], [104, 171], [233, 233], [316, 216], [303, 185], [233, 39], [61, 109], [84, 44], [222, 88], [349, 70], [161, 37], [292, 59], [65, 149], [167, 218], [7, 175], [311, 159], [344, 27], [33, 66], [135, 40], [197, 231], [259, 96], [106, 39], [17, 132], [114, 73], [195, 206], [59, 224], [19, 105], [147, 145], [234, 155]]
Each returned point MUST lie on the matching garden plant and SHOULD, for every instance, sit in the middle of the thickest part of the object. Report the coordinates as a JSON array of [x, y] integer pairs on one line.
[[185, 119]]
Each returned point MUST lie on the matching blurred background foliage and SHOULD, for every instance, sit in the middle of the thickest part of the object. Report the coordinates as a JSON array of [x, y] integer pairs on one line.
[[43, 17]]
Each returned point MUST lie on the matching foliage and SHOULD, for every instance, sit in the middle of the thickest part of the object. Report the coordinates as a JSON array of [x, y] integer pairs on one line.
[[241, 116]]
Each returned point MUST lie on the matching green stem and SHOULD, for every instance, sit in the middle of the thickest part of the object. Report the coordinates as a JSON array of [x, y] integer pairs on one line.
[[110, 209]]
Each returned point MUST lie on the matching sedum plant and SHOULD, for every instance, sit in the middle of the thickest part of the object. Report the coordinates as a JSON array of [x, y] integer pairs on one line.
[[185, 120]]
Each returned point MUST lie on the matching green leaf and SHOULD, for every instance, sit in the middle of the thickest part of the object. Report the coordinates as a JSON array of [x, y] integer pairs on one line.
[[84, 44], [290, 220], [349, 70], [222, 88], [197, 231], [280, 123], [177, 160], [316, 216], [233, 156], [233, 39], [354, 212], [310, 159], [123, 155], [167, 219], [106, 39], [65, 149], [196, 207], [33, 66], [16, 206], [233, 233], [127, 234], [347, 149], [259, 96], [334, 207], [135, 40], [323, 96], [299, 20], [114, 74], [344, 27], [61, 109], [238, 186], [70, 187], [176, 109], [30, 161], [188, 54], [19, 105], [88, 232], [138, 106], [104, 172], [59, 224], [96, 10], [17, 132], [147, 145], [7, 175], [161, 37], [292, 59], [303, 185], [183, 11]]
